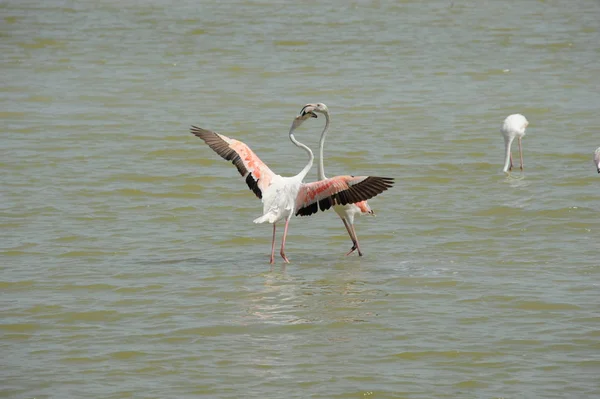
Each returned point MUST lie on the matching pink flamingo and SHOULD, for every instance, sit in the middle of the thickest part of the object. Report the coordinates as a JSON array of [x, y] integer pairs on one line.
[[345, 212], [597, 159], [282, 197], [514, 126]]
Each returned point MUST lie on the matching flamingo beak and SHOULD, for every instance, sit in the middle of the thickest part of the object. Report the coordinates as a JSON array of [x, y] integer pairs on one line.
[[308, 110], [304, 115]]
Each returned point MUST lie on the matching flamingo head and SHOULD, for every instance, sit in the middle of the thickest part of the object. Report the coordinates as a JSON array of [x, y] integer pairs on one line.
[[311, 108], [597, 159], [304, 115], [308, 111]]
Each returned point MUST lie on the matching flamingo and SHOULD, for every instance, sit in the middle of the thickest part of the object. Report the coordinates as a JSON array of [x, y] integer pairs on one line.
[[281, 196], [345, 212], [514, 126], [597, 159]]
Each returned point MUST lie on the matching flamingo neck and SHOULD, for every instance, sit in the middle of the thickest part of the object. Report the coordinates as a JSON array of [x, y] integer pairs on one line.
[[507, 143], [311, 156], [321, 145]]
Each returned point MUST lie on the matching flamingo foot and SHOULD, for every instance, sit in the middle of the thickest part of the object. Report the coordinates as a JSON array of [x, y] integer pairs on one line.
[[272, 261], [285, 259], [354, 248]]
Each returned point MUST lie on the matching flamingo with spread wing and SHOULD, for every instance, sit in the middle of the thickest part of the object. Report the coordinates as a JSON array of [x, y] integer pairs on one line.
[[283, 197], [349, 211]]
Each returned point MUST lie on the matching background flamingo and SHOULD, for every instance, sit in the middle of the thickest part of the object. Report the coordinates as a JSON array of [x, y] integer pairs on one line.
[[597, 159], [282, 196], [514, 126], [345, 212]]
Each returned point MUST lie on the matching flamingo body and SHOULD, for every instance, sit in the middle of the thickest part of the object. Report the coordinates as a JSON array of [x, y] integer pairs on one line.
[[350, 211], [282, 197], [278, 201], [513, 127], [597, 159]]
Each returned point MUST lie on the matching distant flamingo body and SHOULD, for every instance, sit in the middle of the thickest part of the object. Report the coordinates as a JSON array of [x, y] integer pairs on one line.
[[349, 211], [597, 159], [282, 197], [513, 127]]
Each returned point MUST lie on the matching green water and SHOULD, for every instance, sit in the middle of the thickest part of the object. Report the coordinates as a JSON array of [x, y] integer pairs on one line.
[[130, 264]]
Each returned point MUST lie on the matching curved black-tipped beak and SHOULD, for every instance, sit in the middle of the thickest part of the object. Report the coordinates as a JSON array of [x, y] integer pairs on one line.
[[308, 109]]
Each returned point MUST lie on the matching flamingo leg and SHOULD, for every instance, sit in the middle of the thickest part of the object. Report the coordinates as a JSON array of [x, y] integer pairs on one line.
[[282, 252], [273, 245], [352, 237], [521, 153], [511, 164], [355, 240]]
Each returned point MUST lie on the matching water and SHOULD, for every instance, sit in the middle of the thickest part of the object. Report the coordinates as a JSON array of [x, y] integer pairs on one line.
[[130, 264]]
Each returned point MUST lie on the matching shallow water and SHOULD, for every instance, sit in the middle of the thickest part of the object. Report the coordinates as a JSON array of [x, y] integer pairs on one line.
[[130, 264]]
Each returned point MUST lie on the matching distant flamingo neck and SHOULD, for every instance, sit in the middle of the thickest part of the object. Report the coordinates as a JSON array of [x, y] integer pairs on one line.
[[311, 156], [507, 143], [321, 145]]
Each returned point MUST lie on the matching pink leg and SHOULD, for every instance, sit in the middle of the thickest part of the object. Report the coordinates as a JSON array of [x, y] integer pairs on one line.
[[273, 245], [351, 237], [521, 153], [282, 253], [355, 240]]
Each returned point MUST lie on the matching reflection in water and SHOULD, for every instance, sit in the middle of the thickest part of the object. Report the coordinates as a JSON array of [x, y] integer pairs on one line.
[[286, 299]]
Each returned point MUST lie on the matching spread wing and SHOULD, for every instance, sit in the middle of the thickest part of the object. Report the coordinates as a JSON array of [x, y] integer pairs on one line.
[[340, 190], [258, 176]]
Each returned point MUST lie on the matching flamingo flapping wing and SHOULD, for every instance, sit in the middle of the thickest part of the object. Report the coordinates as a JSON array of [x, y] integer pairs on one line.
[[256, 173], [340, 190]]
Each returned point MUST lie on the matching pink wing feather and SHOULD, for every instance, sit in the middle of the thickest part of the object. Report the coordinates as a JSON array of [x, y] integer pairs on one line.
[[340, 190], [257, 174]]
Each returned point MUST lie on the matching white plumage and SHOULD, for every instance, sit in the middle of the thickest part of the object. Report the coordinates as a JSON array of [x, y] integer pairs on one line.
[[513, 127]]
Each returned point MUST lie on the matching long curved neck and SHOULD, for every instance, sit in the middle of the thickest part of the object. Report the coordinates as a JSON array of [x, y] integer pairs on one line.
[[507, 143], [321, 145], [311, 156]]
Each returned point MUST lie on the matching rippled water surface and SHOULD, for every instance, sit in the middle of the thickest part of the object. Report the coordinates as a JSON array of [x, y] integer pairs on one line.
[[130, 264]]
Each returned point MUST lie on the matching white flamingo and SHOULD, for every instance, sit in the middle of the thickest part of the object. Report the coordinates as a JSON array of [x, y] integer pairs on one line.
[[282, 197], [514, 126], [597, 159], [345, 212]]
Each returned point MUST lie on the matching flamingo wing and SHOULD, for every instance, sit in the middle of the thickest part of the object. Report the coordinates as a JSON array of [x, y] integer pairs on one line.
[[257, 174], [340, 190]]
